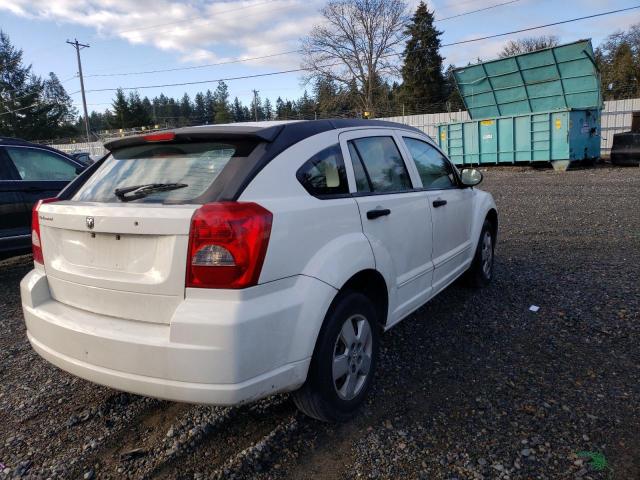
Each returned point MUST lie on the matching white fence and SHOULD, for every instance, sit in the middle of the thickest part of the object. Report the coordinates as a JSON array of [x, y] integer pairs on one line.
[[427, 122], [616, 118], [92, 148]]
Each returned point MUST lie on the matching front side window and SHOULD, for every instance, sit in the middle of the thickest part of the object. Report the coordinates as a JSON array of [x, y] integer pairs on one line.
[[324, 173], [35, 164], [434, 169], [381, 164], [193, 166]]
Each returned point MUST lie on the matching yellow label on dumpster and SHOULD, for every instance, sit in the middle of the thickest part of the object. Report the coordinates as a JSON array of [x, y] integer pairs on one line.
[[486, 122], [443, 135], [558, 124]]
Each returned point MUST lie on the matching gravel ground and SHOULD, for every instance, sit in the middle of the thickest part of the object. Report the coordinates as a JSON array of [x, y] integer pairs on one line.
[[473, 385]]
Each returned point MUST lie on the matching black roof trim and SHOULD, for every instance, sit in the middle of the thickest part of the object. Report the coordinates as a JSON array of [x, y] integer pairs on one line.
[[288, 133]]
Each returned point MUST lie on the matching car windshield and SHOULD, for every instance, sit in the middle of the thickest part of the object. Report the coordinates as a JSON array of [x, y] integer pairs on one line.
[[195, 165]]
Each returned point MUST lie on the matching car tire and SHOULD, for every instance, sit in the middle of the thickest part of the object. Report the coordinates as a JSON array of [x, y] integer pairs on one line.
[[348, 341], [480, 272]]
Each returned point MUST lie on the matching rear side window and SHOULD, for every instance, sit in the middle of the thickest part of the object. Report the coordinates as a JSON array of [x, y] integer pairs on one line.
[[195, 164], [324, 174], [381, 163], [36, 165]]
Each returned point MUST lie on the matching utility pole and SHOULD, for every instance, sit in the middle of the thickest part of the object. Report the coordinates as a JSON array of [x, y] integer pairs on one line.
[[255, 104], [79, 46]]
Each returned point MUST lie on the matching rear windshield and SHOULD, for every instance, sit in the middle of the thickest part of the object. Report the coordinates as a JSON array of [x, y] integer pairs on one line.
[[195, 165]]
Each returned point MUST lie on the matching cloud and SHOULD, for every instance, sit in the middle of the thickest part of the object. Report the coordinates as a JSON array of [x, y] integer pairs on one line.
[[198, 32]]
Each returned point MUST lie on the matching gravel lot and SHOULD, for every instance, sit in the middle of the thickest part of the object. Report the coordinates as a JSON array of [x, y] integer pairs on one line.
[[473, 385]]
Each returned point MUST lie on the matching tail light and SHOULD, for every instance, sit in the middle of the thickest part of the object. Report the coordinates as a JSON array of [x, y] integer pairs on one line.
[[227, 245], [36, 239]]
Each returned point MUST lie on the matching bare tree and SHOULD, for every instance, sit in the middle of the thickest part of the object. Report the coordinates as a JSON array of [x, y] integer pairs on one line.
[[355, 46], [528, 44]]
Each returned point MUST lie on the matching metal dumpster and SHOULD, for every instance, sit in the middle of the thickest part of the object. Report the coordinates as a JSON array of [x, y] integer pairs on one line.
[[535, 107], [542, 137]]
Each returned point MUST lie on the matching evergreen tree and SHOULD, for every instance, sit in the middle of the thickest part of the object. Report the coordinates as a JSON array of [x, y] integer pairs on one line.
[[210, 107], [160, 107], [281, 113], [246, 113], [17, 92], [424, 86], [306, 107], [199, 109], [172, 119], [221, 102], [267, 109], [31, 108], [138, 114], [57, 113], [121, 110], [328, 97], [149, 111], [238, 111], [257, 113], [186, 110]]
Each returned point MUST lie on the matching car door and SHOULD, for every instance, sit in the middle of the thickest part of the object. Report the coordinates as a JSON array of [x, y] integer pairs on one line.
[[395, 216], [451, 210], [40, 174], [13, 234]]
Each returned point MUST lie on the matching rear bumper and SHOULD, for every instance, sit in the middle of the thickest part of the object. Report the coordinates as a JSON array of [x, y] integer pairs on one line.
[[221, 347]]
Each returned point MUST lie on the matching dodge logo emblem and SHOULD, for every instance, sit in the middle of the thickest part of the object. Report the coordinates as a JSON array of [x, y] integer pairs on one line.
[[90, 223]]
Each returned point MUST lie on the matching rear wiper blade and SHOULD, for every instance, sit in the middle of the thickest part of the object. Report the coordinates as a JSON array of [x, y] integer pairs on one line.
[[135, 192]]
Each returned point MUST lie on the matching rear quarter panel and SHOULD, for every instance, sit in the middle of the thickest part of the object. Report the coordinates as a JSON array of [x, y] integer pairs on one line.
[[321, 238]]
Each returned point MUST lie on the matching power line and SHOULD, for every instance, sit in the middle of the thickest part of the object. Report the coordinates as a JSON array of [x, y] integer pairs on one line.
[[143, 87], [296, 70], [476, 11], [542, 26]]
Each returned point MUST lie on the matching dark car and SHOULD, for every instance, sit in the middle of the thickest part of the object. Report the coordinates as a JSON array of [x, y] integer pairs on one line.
[[28, 172]]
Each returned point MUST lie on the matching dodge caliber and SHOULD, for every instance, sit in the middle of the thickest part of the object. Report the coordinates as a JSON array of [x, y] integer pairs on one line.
[[221, 264]]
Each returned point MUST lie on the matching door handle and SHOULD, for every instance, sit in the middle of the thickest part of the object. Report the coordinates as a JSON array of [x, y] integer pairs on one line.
[[439, 203], [378, 212]]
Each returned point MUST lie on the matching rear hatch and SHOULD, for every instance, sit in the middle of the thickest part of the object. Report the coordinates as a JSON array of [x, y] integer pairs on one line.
[[125, 254]]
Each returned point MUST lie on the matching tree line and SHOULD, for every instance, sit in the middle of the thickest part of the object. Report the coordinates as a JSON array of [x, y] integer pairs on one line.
[[31, 106], [353, 70]]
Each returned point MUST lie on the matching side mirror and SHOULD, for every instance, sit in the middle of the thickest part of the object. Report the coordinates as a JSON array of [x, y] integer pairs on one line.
[[470, 177]]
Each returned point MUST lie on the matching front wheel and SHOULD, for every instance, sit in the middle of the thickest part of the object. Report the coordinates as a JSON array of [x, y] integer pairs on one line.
[[480, 272], [343, 362]]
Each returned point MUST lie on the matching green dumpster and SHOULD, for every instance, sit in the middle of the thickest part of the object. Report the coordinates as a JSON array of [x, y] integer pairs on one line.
[[535, 107]]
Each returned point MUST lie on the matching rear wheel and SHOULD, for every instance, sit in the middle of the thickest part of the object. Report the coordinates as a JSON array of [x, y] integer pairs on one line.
[[344, 361], [480, 272]]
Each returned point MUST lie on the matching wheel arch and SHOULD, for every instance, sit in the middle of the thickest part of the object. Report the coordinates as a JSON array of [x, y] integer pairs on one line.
[[371, 284]]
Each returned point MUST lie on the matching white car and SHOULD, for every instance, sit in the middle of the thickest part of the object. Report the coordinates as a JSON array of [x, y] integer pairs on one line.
[[221, 264]]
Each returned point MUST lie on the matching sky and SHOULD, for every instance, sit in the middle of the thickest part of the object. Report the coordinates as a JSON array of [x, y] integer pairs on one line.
[[131, 36]]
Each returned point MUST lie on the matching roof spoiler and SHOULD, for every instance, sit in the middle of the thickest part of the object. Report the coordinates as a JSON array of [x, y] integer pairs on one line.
[[203, 133]]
